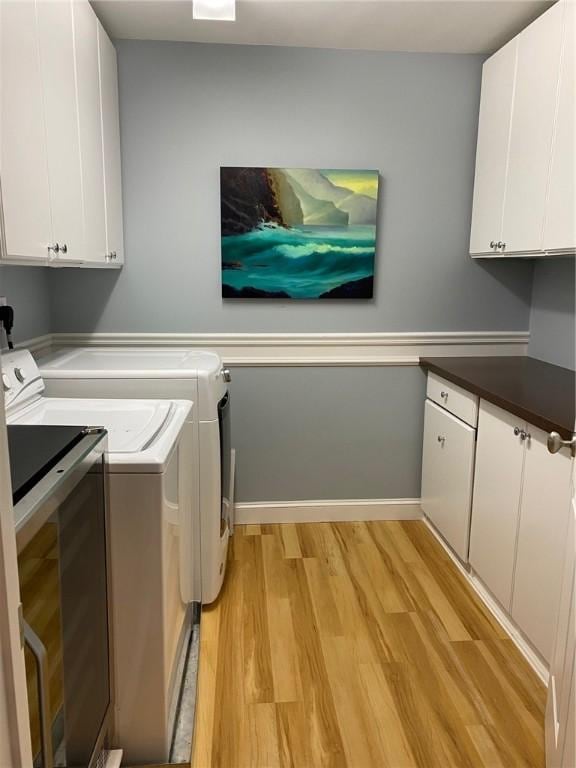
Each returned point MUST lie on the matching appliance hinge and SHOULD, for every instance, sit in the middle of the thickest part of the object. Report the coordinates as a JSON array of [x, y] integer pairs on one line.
[[21, 624]]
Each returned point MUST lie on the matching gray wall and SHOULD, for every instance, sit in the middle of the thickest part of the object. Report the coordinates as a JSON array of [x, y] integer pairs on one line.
[[552, 317], [27, 290], [188, 109], [327, 433]]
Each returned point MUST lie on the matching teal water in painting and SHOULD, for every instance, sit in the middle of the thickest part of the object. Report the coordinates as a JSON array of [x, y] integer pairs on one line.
[[303, 262]]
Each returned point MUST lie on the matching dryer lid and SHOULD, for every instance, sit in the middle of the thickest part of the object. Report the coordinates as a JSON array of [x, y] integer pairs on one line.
[[129, 362], [132, 425]]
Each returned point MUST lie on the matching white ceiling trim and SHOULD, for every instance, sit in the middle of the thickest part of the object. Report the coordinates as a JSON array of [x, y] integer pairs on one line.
[[431, 26]]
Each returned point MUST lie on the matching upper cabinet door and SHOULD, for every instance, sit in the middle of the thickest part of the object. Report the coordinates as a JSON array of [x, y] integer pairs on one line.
[[90, 128], [60, 108], [111, 143], [23, 152], [534, 107], [560, 227], [492, 150]]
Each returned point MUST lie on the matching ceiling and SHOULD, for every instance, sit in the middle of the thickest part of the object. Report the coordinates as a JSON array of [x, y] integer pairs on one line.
[[443, 26]]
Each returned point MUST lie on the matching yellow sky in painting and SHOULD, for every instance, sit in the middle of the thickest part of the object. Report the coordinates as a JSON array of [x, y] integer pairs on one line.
[[361, 182]]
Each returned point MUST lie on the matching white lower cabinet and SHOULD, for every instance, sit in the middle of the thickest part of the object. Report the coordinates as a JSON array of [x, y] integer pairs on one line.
[[447, 472], [495, 509], [544, 520], [519, 521]]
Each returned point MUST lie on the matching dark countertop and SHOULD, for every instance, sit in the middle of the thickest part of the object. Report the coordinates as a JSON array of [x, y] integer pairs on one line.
[[540, 393]]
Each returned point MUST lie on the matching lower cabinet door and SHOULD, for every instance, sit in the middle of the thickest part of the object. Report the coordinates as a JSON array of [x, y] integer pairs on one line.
[[544, 517], [447, 472], [495, 509]]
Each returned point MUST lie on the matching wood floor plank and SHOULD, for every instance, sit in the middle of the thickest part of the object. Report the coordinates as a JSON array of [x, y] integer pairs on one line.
[[392, 735], [324, 733], [258, 681], [290, 541], [202, 751], [358, 646], [323, 599], [361, 743], [518, 739]]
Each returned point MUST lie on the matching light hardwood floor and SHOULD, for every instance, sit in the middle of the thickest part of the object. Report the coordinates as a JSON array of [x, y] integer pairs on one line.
[[359, 645]]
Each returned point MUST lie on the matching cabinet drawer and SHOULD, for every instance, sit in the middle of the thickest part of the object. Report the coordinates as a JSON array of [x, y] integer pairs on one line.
[[447, 471], [452, 397]]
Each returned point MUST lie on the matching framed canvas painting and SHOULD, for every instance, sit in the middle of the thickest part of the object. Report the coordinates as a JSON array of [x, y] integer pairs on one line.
[[298, 233]]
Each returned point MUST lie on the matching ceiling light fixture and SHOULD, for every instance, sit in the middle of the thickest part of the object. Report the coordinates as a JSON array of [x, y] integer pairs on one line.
[[214, 10]]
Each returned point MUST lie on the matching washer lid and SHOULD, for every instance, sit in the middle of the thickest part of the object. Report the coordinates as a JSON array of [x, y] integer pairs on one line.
[[129, 362], [132, 425]]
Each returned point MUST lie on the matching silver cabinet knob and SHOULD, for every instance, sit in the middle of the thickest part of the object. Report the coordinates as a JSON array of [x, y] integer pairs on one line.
[[226, 375], [54, 248], [516, 431], [441, 440], [555, 443], [492, 243], [444, 395], [20, 375], [64, 248], [500, 245], [525, 435]]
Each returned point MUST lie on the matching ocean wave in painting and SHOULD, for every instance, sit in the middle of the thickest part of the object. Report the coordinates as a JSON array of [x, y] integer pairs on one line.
[[300, 262]]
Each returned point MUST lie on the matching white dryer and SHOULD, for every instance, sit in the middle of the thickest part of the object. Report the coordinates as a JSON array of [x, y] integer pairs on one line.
[[151, 504], [169, 373]]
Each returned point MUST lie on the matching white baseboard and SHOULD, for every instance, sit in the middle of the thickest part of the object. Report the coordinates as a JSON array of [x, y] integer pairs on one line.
[[340, 510], [113, 759], [499, 613]]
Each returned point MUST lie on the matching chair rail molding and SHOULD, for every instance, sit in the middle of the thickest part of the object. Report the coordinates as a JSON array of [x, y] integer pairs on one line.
[[316, 349]]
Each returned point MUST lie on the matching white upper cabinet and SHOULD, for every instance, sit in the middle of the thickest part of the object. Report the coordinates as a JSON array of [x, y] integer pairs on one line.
[[533, 113], [90, 130], [523, 192], [492, 150], [560, 226], [60, 112], [111, 147], [23, 151], [61, 198]]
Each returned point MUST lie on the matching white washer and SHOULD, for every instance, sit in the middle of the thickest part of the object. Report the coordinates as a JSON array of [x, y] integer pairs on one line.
[[169, 373], [151, 504]]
